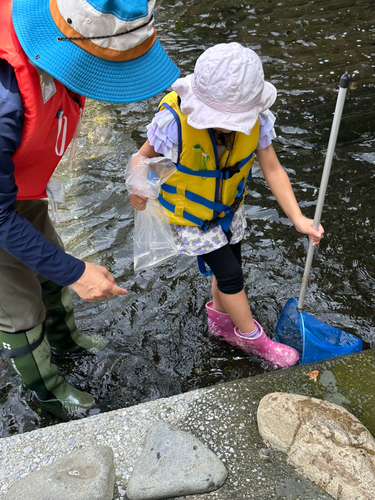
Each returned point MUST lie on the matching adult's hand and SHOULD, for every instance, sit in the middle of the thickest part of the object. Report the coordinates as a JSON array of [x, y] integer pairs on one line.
[[96, 283]]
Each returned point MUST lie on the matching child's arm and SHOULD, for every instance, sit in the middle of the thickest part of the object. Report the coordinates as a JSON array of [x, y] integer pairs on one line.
[[148, 150], [279, 183], [139, 202]]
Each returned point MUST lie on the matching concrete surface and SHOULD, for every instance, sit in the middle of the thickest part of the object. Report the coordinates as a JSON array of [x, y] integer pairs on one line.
[[223, 417]]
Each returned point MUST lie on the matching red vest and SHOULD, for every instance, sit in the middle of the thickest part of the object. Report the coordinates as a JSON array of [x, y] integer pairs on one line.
[[36, 158]]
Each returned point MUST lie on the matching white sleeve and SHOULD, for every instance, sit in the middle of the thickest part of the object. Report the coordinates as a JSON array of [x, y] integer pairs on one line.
[[266, 129], [162, 134]]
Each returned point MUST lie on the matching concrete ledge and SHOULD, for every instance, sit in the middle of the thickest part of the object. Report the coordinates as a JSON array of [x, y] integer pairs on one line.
[[222, 417]]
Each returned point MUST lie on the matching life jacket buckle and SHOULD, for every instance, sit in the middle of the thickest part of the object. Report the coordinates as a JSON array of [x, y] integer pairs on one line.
[[210, 224], [231, 171], [235, 205]]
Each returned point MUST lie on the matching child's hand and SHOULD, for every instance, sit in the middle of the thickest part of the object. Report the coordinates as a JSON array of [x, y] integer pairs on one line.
[[138, 202], [305, 225]]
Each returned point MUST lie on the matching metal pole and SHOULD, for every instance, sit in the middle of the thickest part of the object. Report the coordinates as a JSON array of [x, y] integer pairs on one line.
[[344, 84]]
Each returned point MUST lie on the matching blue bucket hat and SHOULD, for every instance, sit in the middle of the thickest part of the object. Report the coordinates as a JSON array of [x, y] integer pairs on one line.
[[102, 49]]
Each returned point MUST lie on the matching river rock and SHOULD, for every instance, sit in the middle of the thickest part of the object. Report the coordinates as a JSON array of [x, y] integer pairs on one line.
[[323, 442], [86, 474], [174, 463]]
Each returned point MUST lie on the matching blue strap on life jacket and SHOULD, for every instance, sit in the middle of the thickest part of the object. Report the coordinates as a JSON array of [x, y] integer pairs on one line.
[[177, 119], [205, 225], [222, 173], [202, 267], [196, 198]]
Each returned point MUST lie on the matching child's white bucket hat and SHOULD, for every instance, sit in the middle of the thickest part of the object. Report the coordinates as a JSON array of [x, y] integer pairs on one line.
[[227, 89]]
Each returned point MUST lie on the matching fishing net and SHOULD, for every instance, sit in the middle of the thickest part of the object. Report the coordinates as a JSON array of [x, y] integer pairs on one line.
[[313, 339]]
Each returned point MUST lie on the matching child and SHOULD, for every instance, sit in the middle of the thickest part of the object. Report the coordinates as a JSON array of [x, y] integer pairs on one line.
[[211, 126]]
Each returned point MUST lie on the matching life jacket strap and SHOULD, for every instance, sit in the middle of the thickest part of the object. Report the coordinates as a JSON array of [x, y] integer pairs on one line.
[[222, 173], [189, 195], [205, 225]]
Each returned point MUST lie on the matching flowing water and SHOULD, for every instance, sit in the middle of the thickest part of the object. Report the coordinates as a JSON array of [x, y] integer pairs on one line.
[[159, 344]]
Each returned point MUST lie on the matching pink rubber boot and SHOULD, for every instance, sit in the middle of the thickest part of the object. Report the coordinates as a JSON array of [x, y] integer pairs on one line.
[[220, 324], [279, 354]]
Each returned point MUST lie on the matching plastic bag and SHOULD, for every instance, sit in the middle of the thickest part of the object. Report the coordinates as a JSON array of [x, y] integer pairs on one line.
[[153, 240], [144, 176]]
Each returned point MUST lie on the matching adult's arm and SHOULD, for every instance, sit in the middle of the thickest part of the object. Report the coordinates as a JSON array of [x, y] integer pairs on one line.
[[17, 236]]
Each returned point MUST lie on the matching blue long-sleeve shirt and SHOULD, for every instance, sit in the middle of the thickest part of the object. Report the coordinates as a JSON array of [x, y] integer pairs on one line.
[[17, 236]]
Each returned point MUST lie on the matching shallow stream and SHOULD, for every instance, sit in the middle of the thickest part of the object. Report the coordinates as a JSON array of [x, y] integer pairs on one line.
[[159, 344]]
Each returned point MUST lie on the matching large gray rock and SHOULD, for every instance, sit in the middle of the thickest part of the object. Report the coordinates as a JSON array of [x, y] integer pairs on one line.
[[174, 463], [86, 474], [324, 443]]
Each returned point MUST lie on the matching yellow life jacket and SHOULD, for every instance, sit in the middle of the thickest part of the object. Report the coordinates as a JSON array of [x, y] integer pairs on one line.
[[204, 191]]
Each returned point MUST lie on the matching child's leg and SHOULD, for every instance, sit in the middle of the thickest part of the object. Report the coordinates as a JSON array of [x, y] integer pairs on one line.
[[216, 300], [230, 303], [236, 251], [225, 263], [235, 305]]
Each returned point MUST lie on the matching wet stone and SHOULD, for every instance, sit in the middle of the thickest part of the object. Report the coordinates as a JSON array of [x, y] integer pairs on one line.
[[174, 463], [86, 474], [324, 443]]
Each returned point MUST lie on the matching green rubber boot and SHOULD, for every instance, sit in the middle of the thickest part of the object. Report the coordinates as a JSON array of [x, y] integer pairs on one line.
[[61, 329], [29, 354]]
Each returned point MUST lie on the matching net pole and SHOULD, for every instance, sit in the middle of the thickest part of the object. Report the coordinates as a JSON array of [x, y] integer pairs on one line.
[[344, 84]]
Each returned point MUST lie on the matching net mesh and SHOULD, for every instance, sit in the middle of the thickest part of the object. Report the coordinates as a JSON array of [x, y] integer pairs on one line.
[[313, 339]]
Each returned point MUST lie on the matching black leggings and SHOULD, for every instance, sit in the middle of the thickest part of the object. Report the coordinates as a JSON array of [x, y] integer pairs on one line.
[[225, 263]]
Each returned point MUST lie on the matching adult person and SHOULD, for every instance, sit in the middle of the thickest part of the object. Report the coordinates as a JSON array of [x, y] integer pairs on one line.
[[53, 54]]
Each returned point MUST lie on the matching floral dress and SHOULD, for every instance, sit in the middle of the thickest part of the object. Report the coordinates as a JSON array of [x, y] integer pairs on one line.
[[191, 240]]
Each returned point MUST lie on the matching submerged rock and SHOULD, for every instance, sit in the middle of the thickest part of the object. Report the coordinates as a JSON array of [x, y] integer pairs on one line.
[[86, 474], [174, 463], [323, 442]]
